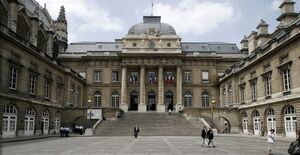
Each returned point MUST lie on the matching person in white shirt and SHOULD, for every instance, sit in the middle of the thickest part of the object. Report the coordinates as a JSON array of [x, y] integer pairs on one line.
[[271, 140]]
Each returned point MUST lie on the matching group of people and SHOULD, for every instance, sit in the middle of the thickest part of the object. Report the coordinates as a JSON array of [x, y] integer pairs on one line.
[[78, 129], [64, 131], [209, 134]]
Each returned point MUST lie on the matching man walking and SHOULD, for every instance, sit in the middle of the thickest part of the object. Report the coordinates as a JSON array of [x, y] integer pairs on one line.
[[136, 130], [204, 135], [271, 140], [210, 136]]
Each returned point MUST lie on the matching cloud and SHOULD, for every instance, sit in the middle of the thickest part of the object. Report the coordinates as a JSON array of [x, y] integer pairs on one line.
[[84, 18], [275, 5], [195, 17]]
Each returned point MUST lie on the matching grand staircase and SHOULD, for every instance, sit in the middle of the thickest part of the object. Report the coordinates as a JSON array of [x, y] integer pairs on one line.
[[150, 124]]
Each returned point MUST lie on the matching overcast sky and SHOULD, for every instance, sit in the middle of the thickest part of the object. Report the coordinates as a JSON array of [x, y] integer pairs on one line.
[[193, 20]]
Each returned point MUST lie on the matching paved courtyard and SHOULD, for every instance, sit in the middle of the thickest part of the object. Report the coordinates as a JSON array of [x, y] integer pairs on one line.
[[142, 145]]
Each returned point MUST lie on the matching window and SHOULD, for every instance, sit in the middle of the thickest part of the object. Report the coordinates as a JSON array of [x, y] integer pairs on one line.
[[97, 99], [47, 88], [97, 76], [187, 77], [268, 85], [205, 99], [253, 90], [188, 99], [230, 94], [115, 99], [224, 96], [32, 84], [59, 92], [152, 77], [286, 79], [78, 95], [13, 77], [169, 78], [242, 90], [115, 76], [205, 77], [72, 94], [133, 79]]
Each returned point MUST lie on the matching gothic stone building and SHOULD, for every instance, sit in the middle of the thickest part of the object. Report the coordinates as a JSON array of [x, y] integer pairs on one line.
[[34, 87], [265, 86]]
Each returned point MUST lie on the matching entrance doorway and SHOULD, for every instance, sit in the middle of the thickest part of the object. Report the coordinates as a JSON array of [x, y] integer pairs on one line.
[[134, 101], [151, 102], [169, 101]]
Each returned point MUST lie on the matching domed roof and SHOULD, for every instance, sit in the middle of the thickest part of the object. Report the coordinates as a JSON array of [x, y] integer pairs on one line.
[[150, 22]]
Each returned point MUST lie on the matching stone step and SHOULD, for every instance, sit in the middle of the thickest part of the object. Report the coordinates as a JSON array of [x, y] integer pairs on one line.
[[150, 124]]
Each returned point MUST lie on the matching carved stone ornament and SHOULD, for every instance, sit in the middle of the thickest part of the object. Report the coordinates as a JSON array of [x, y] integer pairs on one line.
[[152, 33]]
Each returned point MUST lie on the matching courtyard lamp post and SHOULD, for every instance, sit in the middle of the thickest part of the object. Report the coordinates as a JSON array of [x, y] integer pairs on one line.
[[213, 102]]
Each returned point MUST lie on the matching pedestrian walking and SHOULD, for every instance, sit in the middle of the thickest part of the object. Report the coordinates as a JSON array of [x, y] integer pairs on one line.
[[61, 130], [204, 135], [136, 130], [210, 136], [294, 148], [271, 140]]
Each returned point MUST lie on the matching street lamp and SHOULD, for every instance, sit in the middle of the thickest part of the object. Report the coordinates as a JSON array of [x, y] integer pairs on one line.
[[213, 102]]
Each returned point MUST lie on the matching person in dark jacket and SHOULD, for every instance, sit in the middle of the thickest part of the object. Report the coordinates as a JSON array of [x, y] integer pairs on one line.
[[294, 148], [204, 135], [210, 136], [136, 130]]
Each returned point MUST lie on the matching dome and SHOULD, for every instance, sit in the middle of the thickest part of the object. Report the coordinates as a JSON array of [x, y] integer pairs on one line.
[[151, 22]]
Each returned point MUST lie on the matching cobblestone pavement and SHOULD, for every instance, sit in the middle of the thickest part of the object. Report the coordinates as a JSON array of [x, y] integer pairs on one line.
[[143, 145]]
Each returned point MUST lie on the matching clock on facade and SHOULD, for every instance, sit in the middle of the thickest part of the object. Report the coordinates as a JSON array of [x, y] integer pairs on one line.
[[151, 44]]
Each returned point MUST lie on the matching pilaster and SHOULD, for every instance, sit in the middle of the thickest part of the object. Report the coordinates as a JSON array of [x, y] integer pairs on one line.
[[124, 105], [179, 89], [160, 106], [142, 105]]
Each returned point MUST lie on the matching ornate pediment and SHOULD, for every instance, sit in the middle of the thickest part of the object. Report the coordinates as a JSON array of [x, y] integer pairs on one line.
[[152, 33]]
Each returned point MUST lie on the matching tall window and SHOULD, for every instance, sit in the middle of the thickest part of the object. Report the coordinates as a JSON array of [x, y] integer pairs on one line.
[[97, 99], [205, 99], [13, 77], [59, 90], [47, 88], [187, 77], [115, 76], [242, 90], [268, 85], [224, 96], [72, 94], [188, 99], [78, 95], [253, 90], [205, 77], [32, 84], [230, 94], [115, 99], [286, 79], [133, 77], [152, 77], [97, 76]]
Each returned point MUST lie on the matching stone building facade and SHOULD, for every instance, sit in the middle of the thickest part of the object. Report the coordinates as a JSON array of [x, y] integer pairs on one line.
[[34, 87], [265, 85], [150, 69]]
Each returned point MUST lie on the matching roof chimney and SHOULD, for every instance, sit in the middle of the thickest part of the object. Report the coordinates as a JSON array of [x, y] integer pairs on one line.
[[263, 35], [252, 42], [244, 45], [288, 14]]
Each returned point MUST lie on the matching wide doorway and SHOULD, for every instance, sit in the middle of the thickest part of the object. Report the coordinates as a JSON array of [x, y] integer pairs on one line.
[[151, 102], [169, 101], [134, 101]]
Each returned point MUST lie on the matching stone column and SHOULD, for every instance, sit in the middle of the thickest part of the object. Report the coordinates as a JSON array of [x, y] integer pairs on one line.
[[161, 106], [124, 105], [50, 43], [179, 89], [12, 14], [34, 30], [142, 105]]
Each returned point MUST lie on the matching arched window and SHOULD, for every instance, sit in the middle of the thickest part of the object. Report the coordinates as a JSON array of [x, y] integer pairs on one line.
[[256, 114], [9, 122], [205, 99], [45, 121], [270, 112], [97, 99], [29, 121], [115, 99], [188, 99], [57, 118], [244, 115], [289, 110]]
